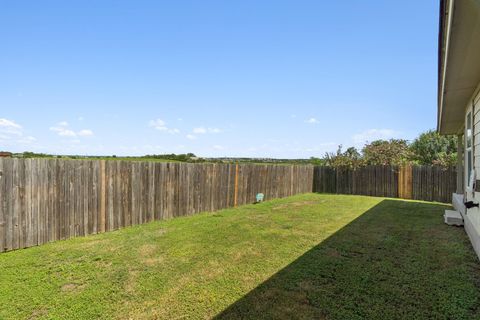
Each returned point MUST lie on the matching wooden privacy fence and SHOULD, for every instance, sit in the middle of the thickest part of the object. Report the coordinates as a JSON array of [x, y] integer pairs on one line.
[[380, 181], [432, 183], [429, 183], [43, 200]]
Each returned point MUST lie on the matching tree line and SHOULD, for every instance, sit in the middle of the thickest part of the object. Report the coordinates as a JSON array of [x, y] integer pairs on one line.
[[429, 148]]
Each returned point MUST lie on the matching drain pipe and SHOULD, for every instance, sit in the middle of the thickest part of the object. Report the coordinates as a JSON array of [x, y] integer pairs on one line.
[[471, 187], [471, 204]]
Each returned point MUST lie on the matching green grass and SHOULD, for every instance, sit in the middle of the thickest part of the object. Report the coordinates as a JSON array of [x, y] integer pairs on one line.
[[309, 256]]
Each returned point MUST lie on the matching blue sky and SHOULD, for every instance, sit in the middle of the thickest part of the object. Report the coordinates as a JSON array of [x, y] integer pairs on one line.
[[288, 79]]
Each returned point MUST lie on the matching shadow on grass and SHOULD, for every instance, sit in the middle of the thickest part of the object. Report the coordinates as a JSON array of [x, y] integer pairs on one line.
[[396, 261]]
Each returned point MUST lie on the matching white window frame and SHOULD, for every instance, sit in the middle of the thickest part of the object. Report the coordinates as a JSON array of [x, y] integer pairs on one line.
[[469, 166]]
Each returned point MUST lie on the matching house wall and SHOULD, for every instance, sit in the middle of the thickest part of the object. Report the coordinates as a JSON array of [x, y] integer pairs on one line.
[[472, 218]]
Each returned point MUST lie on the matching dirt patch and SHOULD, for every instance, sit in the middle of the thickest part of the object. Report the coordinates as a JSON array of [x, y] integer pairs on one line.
[[239, 255], [102, 264], [147, 250], [72, 287], [160, 232], [148, 255], [296, 204], [38, 313], [156, 308], [152, 261], [131, 281]]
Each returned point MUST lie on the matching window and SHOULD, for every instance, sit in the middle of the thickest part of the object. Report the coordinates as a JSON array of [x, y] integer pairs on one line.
[[468, 148]]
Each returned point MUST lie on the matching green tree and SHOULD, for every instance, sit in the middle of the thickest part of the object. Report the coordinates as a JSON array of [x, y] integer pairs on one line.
[[432, 148], [386, 152], [349, 158], [316, 161]]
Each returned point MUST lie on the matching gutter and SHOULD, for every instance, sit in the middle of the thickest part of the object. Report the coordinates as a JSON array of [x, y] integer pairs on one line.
[[445, 22], [441, 24]]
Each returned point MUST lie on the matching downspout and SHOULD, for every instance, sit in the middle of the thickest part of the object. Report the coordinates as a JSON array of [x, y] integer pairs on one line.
[[460, 157]]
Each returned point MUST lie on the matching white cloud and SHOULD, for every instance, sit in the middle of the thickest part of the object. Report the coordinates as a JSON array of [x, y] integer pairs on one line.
[[312, 121], [63, 130], [200, 130], [5, 123], [85, 133], [158, 124], [374, 134], [12, 134], [67, 133], [191, 137], [161, 125], [10, 127], [214, 130], [203, 130], [218, 147]]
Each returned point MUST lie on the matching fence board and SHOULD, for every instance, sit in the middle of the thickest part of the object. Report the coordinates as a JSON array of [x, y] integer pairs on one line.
[[3, 222]]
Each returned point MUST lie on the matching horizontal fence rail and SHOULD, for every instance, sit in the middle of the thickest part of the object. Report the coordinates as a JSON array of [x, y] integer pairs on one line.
[[44, 200], [429, 183]]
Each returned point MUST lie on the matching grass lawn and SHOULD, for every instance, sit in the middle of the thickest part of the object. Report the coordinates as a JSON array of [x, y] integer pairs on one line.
[[309, 256]]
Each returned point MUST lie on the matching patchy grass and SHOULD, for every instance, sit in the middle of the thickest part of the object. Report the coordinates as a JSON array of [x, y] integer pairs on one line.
[[309, 256]]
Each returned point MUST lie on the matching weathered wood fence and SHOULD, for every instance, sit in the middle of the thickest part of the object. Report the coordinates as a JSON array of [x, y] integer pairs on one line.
[[43, 200], [429, 183], [380, 181]]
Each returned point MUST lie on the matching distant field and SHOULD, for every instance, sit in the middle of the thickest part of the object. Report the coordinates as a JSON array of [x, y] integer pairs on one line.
[[112, 158], [129, 159], [146, 159], [189, 157]]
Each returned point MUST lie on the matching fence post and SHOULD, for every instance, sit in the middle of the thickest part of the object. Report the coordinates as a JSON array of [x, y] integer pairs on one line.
[[405, 182], [235, 197], [103, 196], [460, 158]]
